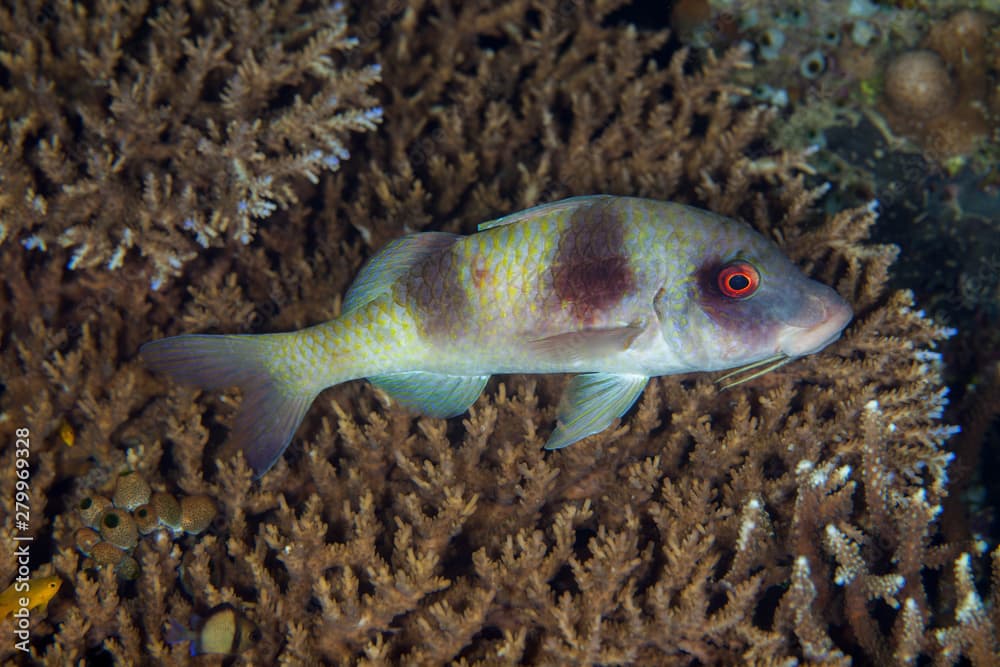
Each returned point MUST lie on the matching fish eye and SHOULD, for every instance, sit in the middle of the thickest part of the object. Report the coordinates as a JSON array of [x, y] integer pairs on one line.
[[738, 280]]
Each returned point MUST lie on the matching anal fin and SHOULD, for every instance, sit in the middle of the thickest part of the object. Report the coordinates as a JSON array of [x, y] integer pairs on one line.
[[432, 394], [591, 402]]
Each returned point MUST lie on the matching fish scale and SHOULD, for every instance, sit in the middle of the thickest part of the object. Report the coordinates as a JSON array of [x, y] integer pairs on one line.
[[510, 288], [379, 338], [614, 289]]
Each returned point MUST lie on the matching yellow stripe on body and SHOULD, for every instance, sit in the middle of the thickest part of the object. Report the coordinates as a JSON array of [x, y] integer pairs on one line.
[[380, 337], [504, 280]]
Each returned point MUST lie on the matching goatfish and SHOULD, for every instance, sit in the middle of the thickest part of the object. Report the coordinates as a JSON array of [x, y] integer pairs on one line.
[[615, 290], [31, 593], [223, 630]]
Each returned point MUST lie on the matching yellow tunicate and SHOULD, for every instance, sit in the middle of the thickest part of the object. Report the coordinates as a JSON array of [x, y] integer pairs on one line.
[[197, 513], [118, 527], [168, 510], [146, 518], [106, 554], [131, 490], [86, 539], [128, 568], [91, 509]]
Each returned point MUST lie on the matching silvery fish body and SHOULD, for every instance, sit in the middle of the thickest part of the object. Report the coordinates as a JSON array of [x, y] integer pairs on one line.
[[613, 289]]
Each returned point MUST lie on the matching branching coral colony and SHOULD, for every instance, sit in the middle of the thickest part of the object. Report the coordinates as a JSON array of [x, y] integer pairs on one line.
[[792, 518], [167, 129]]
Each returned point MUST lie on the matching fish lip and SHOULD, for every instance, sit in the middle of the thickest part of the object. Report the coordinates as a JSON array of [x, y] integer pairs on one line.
[[799, 341]]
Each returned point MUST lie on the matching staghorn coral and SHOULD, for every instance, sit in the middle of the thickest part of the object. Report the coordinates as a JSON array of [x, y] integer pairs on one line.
[[164, 129], [793, 518]]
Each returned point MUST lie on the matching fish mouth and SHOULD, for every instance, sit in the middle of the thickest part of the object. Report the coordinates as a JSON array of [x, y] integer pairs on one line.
[[818, 324], [835, 313]]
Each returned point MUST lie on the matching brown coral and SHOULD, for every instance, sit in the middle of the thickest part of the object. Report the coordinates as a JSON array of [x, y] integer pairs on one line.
[[162, 130], [940, 96], [197, 513], [918, 84], [792, 518]]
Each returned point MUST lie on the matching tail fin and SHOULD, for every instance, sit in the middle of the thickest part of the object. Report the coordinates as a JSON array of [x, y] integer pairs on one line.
[[272, 409]]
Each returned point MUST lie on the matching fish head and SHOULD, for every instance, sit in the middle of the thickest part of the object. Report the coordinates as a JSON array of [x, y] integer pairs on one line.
[[44, 589], [747, 302]]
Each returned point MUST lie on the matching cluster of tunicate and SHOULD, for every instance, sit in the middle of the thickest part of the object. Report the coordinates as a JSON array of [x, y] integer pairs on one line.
[[113, 527]]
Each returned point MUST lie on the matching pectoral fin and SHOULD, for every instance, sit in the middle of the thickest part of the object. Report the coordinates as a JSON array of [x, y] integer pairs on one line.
[[432, 394], [591, 402]]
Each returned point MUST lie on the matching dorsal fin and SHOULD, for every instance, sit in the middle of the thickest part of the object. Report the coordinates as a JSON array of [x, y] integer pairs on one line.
[[390, 263], [541, 209]]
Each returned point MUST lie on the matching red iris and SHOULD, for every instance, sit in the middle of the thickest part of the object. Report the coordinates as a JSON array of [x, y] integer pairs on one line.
[[738, 279]]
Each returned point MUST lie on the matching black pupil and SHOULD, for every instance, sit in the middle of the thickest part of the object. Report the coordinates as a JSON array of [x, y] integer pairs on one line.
[[738, 282]]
